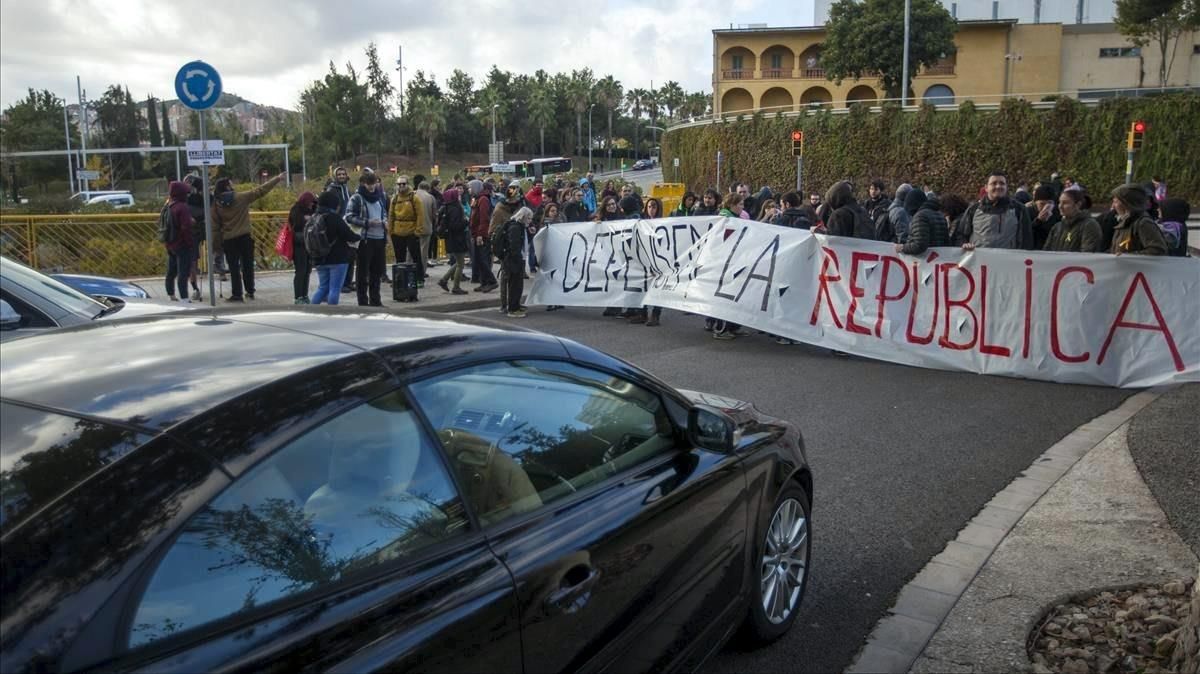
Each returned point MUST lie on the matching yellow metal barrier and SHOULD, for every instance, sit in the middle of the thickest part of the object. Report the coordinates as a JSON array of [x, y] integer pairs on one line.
[[671, 194], [121, 245]]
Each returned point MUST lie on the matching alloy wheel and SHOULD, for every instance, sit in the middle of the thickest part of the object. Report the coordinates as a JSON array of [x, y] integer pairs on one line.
[[785, 557]]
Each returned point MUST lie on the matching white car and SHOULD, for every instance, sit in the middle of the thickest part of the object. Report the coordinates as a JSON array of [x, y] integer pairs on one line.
[[117, 199]]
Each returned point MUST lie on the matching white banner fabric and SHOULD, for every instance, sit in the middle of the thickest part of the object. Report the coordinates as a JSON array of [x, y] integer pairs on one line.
[[1128, 321]]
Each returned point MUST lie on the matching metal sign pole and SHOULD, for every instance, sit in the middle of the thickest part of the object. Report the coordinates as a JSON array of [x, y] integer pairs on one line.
[[799, 173], [1129, 166], [208, 227]]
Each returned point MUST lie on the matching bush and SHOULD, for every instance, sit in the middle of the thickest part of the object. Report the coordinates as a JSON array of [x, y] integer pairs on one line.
[[951, 151]]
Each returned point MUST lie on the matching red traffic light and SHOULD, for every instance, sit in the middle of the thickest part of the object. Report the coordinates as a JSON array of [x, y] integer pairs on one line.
[[797, 135], [1139, 127]]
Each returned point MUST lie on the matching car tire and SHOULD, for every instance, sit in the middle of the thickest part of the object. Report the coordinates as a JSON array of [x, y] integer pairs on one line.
[[775, 565]]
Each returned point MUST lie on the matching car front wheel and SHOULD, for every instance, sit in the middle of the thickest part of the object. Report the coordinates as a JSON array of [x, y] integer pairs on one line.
[[783, 549]]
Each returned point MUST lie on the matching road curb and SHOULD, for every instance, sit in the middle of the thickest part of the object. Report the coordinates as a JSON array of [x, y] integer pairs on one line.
[[922, 605]]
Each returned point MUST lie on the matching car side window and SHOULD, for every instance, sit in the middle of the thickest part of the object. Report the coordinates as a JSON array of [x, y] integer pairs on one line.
[[363, 489], [30, 317], [522, 434]]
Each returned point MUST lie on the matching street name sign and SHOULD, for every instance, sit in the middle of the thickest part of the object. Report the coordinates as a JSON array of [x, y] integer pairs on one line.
[[205, 153]]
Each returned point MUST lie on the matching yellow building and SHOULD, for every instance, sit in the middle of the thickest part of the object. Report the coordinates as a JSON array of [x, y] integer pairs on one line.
[[779, 69]]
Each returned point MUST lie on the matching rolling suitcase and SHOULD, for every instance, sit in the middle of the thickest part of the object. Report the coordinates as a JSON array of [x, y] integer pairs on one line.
[[404, 282]]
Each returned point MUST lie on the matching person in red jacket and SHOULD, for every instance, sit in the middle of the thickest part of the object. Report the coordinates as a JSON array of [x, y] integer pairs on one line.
[[481, 256], [180, 248]]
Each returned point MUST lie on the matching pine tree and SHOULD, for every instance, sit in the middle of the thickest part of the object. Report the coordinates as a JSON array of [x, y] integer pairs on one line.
[[168, 140], [152, 122]]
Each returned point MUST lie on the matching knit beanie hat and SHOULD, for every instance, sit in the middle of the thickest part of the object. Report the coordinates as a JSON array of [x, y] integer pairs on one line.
[[913, 200], [630, 205], [1133, 196], [1174, 210], [475, 187], [329, 199], [902, 191]]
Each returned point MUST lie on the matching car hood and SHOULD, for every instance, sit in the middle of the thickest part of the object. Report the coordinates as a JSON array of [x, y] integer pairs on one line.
[[132, 308]]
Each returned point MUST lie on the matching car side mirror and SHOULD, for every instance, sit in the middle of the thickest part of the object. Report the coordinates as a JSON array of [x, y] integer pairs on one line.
[[9, 318], [710, 428]]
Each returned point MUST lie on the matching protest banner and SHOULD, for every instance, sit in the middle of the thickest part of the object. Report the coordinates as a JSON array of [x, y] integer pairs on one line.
[[1128, 321]]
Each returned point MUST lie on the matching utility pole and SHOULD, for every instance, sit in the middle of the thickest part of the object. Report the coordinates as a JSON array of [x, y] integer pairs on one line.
[[400, 69], [494, 106], [83, 127], [67, 133], [904, 67], [303, 146], [590, 138]]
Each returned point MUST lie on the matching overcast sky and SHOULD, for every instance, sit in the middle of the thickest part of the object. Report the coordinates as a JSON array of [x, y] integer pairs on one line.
[[268, 51]]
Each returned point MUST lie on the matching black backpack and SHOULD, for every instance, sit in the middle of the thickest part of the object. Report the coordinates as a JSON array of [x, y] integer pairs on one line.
[[168, 229], [442, 229], [500, 242], [316, 237], [883, 227]]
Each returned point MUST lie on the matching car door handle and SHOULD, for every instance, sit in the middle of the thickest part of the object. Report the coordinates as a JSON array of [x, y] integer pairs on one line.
[[574, 590]]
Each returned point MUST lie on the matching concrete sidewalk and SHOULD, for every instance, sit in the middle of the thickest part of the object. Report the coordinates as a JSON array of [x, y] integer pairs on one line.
[[274, 288], [1080, 520]]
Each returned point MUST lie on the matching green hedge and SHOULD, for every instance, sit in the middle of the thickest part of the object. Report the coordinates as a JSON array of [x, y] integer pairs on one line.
[[951, 151]]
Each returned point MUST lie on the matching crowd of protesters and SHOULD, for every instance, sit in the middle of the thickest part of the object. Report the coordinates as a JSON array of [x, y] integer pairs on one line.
[[487, 221]]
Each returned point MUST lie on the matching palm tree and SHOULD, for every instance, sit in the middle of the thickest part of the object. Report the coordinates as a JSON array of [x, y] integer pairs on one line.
[[635, 99], [581, 97], [609, 94], [697, 104], [541, 111], [429, 117], [672, 97], [652, 104]]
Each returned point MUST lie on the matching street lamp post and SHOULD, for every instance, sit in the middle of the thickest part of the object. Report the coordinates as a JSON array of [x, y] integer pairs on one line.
[[590, 136], [494, 106], [904, 66]]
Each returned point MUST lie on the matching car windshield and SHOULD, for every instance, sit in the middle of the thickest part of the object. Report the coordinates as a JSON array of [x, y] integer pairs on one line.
[[44, 286]]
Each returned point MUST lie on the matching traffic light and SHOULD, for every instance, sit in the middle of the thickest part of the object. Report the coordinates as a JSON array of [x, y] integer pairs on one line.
[[1137, 134], [797, 143]]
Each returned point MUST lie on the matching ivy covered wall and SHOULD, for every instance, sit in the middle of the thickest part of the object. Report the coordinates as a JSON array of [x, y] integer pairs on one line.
[[951, 151]]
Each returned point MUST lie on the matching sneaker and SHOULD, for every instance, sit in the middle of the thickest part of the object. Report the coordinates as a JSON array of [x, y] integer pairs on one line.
[[444, 285], [249, 295], [554, 307], [724, 336], [637, 319], [612, 311], [231, 298], [709, 323], [459, 291], [519, 313], [489, 287], [299, 300], [784, 341], [652, 322], [197, 296], [172, 298], [420, 284]]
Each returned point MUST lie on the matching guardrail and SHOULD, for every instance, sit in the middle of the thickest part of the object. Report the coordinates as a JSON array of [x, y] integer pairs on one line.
[[120, 245]]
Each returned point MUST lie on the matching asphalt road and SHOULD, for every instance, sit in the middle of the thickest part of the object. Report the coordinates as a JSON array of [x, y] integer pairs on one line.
[[1162, 440], [902, 458]]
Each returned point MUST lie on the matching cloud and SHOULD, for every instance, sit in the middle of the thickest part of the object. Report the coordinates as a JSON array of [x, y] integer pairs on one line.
[[268, 51]]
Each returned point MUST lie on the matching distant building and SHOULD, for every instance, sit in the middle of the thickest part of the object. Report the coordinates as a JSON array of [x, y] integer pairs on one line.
[[1024, 11], [779, 69]]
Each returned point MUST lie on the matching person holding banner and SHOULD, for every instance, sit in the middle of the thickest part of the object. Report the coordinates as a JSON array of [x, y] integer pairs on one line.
[[723, 330], [686, 204], [710, 203], [995, 221], [1077, 231], [928, 228], [1135, 233]]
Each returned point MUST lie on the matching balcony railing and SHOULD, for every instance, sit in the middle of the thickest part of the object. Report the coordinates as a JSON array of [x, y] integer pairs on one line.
[[940, 69], [777, 73], [737, 74], [812, 74]]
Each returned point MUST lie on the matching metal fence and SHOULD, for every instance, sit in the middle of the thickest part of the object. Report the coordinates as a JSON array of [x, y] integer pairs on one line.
[[121, 245]]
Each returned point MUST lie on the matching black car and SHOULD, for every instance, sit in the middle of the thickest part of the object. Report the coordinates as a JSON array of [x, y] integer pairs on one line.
[[348, 490]]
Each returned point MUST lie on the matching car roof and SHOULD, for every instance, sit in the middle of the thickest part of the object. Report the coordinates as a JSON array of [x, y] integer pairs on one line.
[[155, 371]]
